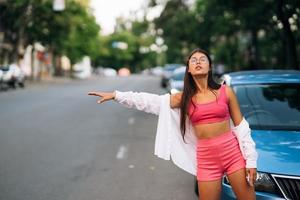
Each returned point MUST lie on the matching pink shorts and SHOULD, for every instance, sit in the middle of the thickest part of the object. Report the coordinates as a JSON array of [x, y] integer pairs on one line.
[[217, 156]]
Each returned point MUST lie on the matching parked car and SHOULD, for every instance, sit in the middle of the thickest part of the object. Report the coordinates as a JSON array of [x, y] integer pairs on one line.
[[6, 76], [167, 73], [270, 102], [107, 71], [156, 71], [12, 76], [17, 75], [124, 71], [82, 69]]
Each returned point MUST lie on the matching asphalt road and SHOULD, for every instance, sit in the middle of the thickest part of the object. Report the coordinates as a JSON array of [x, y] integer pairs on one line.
[[57, 143]]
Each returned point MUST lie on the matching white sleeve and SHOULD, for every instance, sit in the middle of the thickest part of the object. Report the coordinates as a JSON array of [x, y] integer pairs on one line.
[[247, 145], [250, 152], [142, 101]]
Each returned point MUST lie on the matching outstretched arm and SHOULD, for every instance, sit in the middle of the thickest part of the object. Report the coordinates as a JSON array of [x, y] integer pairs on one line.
[[143, 101], [127, 98]]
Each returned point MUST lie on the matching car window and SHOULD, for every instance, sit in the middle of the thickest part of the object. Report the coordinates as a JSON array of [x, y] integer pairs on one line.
[[270, 106]]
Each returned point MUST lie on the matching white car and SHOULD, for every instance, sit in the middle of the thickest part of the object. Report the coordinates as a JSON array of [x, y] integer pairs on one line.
[[109, 72], [6, 74], [83, 69], [106, 71], [18, 75], [12, 76]]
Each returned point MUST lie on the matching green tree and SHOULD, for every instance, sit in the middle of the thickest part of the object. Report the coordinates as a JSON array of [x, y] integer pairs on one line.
[[178, 26], [73, 31], [83, 36], [240, 34], [116, 50], [140, 53], [253, 25]]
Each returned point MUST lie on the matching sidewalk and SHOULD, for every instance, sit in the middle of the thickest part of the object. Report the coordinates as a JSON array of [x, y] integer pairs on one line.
[[49, 80]]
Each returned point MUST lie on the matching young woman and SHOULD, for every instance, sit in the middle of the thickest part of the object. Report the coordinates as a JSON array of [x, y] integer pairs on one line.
[[219, 141]]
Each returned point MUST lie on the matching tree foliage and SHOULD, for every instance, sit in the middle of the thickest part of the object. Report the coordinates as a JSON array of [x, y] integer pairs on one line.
[[73, 31], [240, 34]]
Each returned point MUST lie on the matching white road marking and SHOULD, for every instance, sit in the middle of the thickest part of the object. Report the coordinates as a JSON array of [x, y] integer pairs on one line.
[[121, 152]]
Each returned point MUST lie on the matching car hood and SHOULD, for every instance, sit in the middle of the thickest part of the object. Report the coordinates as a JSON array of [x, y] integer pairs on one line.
[[278, 151]]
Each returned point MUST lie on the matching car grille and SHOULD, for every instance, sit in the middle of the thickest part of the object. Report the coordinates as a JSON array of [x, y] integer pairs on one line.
[[288, 185]]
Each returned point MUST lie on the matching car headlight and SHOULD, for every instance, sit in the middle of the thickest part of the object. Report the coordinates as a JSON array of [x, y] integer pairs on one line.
[[264, 183]]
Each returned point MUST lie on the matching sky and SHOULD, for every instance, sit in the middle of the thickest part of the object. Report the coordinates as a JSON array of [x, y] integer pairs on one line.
[[106, 11]]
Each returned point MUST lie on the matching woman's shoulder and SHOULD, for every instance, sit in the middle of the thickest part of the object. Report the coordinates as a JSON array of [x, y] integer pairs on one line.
[[229, 91]]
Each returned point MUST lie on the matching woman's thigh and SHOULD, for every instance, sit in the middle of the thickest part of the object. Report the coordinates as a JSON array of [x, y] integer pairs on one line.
[[209, 190], [241, 188]]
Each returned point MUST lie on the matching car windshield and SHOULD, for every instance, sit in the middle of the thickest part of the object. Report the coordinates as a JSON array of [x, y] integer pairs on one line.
[[270, 106]]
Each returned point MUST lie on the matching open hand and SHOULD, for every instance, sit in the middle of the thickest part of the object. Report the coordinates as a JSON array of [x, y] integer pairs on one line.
[[105, 96], [251, 176]]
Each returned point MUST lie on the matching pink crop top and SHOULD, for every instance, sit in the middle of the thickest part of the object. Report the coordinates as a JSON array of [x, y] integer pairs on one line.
[[215, 111]]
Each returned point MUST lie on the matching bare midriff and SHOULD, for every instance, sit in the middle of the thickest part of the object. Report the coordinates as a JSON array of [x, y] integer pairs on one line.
[[206, 130]]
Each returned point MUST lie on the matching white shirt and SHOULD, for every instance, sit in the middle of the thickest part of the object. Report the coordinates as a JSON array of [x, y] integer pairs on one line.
[[169, 142]]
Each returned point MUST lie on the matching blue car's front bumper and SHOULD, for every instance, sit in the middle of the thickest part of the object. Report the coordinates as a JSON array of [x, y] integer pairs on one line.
[[227, 194]]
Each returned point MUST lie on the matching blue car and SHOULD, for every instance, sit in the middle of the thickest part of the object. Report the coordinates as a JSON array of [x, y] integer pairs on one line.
[[270, 102]]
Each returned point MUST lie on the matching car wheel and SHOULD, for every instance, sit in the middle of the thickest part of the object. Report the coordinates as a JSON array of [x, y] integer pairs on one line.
[[12, 85]]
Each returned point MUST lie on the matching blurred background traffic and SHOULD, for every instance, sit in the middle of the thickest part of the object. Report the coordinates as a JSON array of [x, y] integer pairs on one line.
[[47, 38]]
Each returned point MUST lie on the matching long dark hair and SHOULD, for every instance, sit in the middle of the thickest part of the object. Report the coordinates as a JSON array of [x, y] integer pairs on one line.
[[190, 89]]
